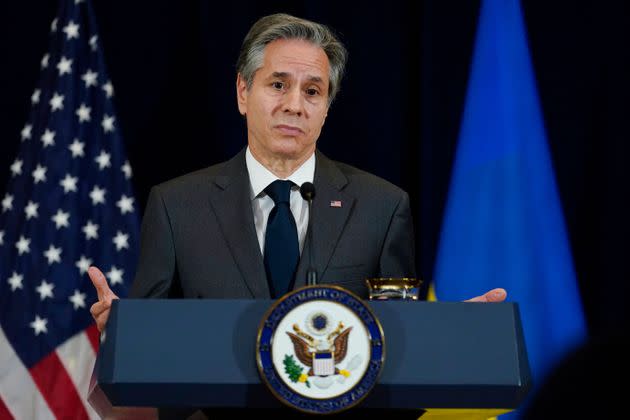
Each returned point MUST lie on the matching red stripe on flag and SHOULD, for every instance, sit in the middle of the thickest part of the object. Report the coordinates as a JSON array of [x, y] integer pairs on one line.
[[5, 414], [57, 388], [94, 336]]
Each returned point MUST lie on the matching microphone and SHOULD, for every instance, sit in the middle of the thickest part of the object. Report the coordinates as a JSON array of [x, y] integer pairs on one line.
[[307, 191]]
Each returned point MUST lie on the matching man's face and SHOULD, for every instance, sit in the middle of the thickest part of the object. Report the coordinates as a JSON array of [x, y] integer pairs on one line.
[[287, 103]]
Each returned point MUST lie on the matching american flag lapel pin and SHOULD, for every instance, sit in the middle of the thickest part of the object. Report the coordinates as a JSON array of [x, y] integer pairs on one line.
[[335, 203]]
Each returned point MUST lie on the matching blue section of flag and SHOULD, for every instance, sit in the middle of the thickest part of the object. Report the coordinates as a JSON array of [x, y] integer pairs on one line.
[[326, 355], [69, 202], [503, 225]]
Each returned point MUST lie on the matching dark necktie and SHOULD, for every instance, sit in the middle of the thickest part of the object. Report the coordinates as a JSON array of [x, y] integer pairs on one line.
[[281, 240]]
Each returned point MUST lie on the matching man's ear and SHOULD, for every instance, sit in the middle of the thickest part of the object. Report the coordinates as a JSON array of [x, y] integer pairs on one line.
[[241, 94]]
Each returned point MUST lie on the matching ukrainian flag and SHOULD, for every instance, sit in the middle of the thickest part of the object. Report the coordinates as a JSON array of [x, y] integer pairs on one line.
[[503, 225]]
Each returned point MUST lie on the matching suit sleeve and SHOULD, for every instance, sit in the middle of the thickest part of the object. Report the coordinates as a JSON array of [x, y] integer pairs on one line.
[[398, 256], [156, 265]]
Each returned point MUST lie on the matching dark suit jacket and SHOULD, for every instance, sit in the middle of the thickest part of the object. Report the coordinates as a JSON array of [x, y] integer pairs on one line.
[[198, 237]]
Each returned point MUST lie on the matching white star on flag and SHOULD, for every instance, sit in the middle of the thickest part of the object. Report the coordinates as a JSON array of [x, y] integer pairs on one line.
[[89, 77], [83, 264], [45, 290], [93, 41], [35, 96], [109, 89], [61, 219], [91, 230], [23, 245], [69, 183], [115, 276], [53, 255], [39, 325], [1, 237], [53, 25], [83, 112], [71, 30], [39, 174], [31, 210], [108, 123], [16, 281], [76, 147], [125, 204], [120, 240], [48, 138], [26, 132], [44, 62], [126, 168], [7, 202], [103, 160], [16, 167], [97, 195], [56, 102], [77, 299], [64, 66]]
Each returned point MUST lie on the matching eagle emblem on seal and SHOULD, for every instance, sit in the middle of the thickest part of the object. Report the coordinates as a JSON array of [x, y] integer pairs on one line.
[[320, 354]]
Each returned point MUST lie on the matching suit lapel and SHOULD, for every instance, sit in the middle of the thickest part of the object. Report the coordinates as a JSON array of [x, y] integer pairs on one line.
[[328, 219], [233, 209]]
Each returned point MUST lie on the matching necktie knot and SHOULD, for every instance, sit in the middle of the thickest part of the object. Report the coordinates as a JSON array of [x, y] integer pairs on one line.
[[279, 191]]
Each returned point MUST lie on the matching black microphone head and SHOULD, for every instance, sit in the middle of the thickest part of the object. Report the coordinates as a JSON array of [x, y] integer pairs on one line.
[[307, 190]]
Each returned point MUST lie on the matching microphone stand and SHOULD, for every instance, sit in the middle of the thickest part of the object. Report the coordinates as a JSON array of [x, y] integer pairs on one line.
[[307, 190]]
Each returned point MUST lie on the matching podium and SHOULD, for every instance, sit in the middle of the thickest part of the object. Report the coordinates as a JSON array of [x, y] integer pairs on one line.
[[448, 358]]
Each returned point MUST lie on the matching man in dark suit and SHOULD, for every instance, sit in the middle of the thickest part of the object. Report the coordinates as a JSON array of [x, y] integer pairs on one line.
[[239, 229], [204, 234]]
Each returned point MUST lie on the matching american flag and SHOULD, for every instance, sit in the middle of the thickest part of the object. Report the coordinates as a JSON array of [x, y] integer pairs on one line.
[[69, 204]]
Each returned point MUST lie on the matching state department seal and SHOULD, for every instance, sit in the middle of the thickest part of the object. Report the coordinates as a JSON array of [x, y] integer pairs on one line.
[[320, 349]]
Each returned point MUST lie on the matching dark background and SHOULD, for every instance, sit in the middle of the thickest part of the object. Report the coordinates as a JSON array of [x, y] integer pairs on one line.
[[397, 115]]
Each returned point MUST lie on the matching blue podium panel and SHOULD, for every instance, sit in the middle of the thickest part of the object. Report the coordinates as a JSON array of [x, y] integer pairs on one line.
[[202, 353]]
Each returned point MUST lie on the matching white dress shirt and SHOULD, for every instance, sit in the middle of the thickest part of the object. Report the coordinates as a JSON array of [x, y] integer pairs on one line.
[[259, 178]]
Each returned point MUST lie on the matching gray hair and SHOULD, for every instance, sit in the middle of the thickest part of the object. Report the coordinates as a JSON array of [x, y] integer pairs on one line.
[[282, 26]]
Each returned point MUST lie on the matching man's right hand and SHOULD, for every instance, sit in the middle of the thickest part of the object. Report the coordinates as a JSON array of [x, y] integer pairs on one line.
[[100, 310]]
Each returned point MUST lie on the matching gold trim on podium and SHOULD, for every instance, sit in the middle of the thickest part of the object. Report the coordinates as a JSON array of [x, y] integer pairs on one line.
[[462, 413]]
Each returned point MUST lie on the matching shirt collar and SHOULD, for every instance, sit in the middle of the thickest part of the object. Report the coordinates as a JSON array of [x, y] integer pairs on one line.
[[260, 177]]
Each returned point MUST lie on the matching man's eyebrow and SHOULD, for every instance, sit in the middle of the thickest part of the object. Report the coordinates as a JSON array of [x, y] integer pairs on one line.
[[316, 79], [284, 75], [280, 74]]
